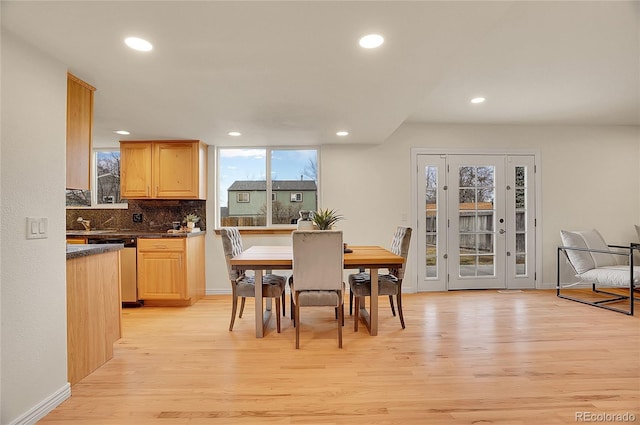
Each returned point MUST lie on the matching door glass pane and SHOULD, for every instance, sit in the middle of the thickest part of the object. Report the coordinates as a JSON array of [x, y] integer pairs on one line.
[[486, 265], [467, 221], [521, 265], [485, 177], [467, 199], [521, 211], [520, 243], [467, 265], [467, 176], [476, 220], [431, 221], [485, 243]]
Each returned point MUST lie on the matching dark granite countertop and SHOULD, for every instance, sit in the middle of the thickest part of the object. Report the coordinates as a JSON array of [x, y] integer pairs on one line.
[[84, 250], [126, 233]]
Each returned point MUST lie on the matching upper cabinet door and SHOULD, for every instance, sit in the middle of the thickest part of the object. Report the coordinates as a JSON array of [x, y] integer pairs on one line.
[[79, 133], [135, 170], [176, 170], [170, 169]]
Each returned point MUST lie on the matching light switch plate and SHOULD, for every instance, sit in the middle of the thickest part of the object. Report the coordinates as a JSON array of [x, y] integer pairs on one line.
[[37, 227]]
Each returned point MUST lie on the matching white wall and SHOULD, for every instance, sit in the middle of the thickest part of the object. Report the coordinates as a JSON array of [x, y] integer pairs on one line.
[[32, 181], [590, 179]]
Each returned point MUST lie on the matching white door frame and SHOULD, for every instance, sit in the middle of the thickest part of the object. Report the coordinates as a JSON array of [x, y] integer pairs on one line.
[[414, 152]]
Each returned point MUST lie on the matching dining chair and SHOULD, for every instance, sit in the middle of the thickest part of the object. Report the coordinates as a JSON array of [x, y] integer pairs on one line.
[[317, 274], [244, 286], [388, 284]]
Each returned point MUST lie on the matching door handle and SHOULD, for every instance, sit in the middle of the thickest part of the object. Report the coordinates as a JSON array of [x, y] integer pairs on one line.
[[501, 231]]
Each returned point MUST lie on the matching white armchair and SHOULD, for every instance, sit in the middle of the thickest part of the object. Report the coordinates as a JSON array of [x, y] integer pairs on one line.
[[602, 266]]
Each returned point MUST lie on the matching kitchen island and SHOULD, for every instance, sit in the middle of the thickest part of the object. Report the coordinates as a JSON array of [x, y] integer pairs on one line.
[[93, 307]]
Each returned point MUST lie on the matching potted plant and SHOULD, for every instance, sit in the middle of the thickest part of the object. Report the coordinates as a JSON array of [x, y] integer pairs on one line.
[[324, 219], [191, 220]]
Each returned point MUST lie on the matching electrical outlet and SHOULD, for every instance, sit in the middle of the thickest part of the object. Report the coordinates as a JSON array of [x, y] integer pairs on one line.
[[137, 218]]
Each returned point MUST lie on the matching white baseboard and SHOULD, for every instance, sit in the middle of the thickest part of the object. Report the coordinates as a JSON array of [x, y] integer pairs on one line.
[[41, 410], [218, 291]]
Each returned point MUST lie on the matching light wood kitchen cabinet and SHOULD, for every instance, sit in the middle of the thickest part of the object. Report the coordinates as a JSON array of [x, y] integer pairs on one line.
[[168, 169], [79, 132], [171, 270], [93, 312], [135, 170]]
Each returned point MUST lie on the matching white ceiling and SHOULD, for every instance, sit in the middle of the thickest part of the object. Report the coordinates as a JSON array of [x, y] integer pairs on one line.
[[292, 72]]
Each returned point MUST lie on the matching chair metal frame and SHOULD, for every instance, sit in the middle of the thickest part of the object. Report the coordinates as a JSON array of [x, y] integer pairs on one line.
[[612, 297]]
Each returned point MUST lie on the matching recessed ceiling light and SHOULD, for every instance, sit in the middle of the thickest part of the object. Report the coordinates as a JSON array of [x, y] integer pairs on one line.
[[478, 100], [342, 133], [123, 132], [371, 41], [138, 44], [234, 133]]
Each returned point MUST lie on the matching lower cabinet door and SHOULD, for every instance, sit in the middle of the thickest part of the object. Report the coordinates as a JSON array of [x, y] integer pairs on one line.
[[161, 276]]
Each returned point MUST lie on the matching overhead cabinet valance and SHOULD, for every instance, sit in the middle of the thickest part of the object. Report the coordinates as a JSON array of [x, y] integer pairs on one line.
[[163, 169]]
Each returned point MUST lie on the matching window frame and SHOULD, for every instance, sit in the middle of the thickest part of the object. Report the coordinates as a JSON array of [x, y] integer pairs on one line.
[[268, 154], [239, 201], [94, 184], [293, 197]]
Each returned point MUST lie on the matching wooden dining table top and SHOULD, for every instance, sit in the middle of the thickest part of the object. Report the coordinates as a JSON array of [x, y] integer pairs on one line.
[[281, 257]]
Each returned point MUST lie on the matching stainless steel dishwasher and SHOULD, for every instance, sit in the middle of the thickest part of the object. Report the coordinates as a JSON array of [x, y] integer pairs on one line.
[[128, 269]]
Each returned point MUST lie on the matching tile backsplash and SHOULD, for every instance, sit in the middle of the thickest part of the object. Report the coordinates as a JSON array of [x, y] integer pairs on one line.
[[157, 215]]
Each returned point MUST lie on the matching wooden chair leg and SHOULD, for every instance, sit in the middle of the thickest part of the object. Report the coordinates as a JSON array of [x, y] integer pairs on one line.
[[292, 309], [399, 299], [356, 315], [393, 310], [297, 322], [234, 308], [283, 303], [241, 307], [350, 303], [278, 313], [340, 322]]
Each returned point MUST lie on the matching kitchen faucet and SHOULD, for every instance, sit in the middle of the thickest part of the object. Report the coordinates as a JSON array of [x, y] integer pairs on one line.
[[85, 223]]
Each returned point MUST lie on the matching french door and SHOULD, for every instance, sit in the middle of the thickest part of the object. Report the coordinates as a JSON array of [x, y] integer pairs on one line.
[[476, 221]]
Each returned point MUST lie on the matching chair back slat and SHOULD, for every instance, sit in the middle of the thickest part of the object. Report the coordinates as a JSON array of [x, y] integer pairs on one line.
[[317, 259]]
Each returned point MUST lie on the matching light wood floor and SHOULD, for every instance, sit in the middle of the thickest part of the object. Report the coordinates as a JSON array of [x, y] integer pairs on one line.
[[472, 357]]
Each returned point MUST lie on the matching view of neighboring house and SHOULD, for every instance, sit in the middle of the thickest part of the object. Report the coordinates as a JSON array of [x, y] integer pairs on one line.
[[247, 201]]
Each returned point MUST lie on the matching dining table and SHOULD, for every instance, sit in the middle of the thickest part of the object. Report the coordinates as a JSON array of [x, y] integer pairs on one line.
[[261, 258]]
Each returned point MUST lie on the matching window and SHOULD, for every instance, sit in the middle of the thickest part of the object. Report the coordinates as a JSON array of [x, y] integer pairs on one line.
[[243, 197], [264, 173], [105, 182]]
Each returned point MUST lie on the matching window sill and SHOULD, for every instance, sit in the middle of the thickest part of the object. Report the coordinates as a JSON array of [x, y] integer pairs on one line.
[[263, 231]]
